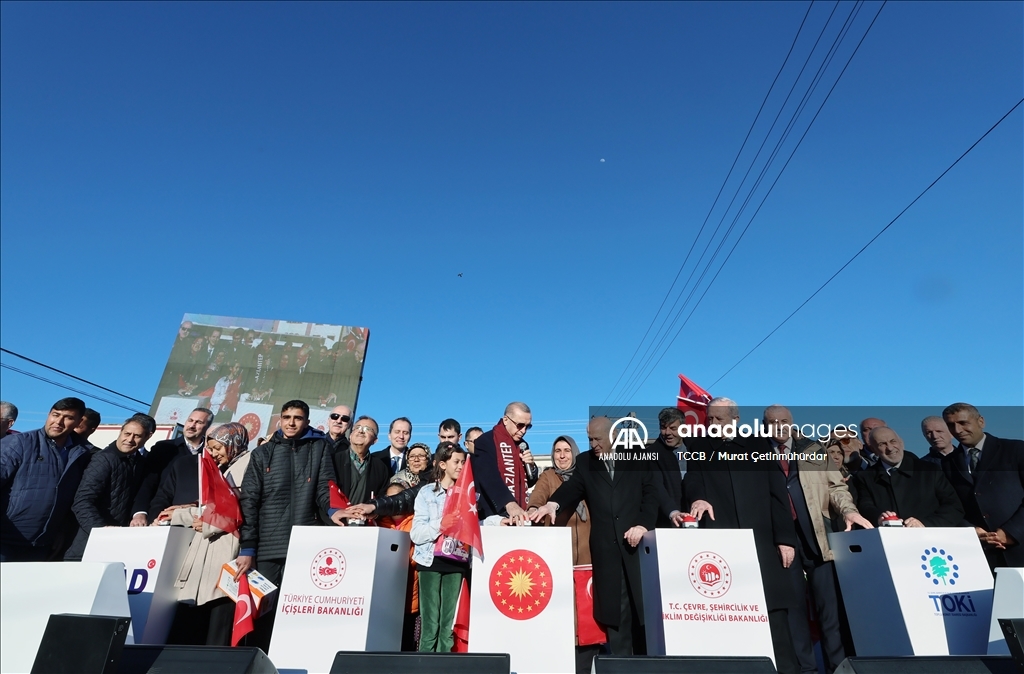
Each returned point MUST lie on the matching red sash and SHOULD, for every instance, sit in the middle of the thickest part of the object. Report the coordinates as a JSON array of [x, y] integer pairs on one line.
[[510, 465]]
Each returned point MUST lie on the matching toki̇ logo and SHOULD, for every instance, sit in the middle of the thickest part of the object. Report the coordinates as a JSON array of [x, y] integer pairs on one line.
[[938, 567], [628, 436]]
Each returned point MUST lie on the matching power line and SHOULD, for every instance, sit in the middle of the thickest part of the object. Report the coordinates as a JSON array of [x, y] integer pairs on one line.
[[63, 386], [767, 194], [653, 348], [68, 374], [714, 203], [871, 241]]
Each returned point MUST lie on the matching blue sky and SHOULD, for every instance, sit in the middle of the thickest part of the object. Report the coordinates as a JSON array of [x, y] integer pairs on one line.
[[344, 163]]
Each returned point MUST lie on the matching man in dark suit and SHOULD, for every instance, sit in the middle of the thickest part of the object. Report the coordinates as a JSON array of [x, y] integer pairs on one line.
[[191, 442], [903, 485], [816, 491], [393, 456], [623, 505], [668, 475], [740, 494], [498, 467], [988, 475], [361, 475]]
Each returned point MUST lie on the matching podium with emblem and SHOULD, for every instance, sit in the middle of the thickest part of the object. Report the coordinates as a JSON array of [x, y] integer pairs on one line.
[[703, 594], [343, 589], [522, 598], [915, 591], [152, 557]]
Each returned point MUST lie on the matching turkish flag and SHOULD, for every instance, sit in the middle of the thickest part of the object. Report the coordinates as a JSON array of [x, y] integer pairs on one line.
[[220, 505], [588, 632], [461, 626], [243, 612], [338, 498], [459, 518], [693, 401]]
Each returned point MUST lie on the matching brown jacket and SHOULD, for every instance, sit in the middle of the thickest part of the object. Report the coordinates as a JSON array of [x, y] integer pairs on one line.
[[546, 486], [826, 494]]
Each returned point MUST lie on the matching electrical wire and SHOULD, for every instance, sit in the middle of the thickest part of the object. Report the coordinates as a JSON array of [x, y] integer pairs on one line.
[[63, 386], [68, 374], [870, 241], [664, 352]]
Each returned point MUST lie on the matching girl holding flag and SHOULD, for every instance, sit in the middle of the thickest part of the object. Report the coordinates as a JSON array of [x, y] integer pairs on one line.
[[215, 521], [442, 561]]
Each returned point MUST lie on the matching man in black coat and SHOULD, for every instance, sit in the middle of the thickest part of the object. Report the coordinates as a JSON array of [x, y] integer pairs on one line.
[[285, 485], [668, 475], [623, 502], [903, 485], [108, 486], [498, 468], [393, 456], [157, 459], [736, 493], [361, 475], [988, 475]]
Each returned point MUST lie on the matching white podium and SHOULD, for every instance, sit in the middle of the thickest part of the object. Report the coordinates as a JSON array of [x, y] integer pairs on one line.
[[1008, 602], [31, 591], [915, 591], [703, 593], [151, 557], [343, 590], [522, 599]]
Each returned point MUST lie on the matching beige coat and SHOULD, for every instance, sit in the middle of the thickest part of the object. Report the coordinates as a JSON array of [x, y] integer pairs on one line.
[[209, 550], [546, 486], [825, 493]]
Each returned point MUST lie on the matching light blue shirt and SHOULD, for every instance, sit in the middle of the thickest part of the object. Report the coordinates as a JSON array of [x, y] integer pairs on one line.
[[426, 522]]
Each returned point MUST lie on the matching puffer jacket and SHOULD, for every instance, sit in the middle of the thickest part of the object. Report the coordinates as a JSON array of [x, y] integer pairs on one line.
[[106, 494], [402, 503], [285, 485], [36, 492]]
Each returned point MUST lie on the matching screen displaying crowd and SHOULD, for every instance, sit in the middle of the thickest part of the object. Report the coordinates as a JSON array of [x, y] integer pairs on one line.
[[56, 487], [243, 369]]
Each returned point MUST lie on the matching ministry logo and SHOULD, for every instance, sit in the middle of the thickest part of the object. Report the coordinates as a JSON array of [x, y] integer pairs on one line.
[[938, 567]]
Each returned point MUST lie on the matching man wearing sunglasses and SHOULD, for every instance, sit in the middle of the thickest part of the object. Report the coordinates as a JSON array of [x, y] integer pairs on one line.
[[338, 424], [498, 467]]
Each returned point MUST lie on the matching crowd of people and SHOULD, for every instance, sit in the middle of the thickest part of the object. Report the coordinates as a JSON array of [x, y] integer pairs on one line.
[[57, 487]]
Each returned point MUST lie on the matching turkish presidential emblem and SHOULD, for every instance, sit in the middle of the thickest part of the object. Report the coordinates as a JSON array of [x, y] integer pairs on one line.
[[520, 584], [252, 424], [710, 575]]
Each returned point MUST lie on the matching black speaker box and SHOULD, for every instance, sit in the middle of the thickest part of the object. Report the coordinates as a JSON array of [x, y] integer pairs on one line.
[[670, 664], [1013, 632], [357, 662], [930, 664], [81, 644], [194, 660]]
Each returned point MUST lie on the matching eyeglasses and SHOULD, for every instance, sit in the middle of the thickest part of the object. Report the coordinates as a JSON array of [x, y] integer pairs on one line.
[[366, 429], [344, 417], [518, 425], [417, 456]]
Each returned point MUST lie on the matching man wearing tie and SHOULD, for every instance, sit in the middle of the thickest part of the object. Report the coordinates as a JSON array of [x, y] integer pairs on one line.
[[393, 455], [816, 488], [988, 475]]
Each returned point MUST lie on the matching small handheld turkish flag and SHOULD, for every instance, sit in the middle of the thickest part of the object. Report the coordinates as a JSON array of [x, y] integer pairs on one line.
[[243, 612], [220, 505], [693, 401], [338, 498], [459, 518]]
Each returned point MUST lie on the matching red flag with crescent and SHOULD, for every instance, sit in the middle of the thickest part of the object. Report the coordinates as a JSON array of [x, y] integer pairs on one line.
[[338, 498], [459, 518], [588, 632], [243, 611], [693, 401], [220, 505]]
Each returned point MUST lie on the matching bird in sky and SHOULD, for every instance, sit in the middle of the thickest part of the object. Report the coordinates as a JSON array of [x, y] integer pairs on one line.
[[460, 274]]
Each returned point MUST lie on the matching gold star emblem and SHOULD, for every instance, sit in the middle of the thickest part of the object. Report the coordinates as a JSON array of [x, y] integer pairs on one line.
[[520, 558], [521, 584]]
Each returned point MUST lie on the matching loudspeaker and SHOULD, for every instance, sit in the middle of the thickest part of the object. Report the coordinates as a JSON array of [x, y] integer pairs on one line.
[[1013, 632], [194, 660], [671, 664], [85, 644], [358, 662], [930, 664]]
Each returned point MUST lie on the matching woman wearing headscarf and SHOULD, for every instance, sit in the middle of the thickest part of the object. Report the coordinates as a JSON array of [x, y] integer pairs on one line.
[[214, 543], [563, 459], [418, 467]]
